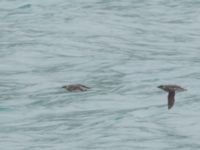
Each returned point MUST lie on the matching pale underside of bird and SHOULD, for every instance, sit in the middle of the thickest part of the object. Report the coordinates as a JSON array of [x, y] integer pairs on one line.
[[76, 88], [171, 89]]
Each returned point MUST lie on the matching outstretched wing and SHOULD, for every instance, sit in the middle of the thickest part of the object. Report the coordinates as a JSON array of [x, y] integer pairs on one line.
[[171, 99]]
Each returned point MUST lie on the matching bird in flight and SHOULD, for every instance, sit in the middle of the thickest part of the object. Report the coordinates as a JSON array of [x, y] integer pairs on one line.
[[76, 88], [171, 89]]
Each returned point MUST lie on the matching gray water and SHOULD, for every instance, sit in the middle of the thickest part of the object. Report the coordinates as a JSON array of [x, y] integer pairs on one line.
[[121, 49]]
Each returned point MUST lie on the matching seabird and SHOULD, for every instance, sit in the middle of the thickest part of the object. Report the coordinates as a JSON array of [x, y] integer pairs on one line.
[[75, 87], [171, 89]]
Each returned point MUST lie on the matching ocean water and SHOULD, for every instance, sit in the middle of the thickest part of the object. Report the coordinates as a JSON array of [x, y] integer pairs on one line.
[[121, 49]]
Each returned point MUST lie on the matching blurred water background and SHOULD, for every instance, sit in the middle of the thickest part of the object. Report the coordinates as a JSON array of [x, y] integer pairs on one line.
[[121, 49]]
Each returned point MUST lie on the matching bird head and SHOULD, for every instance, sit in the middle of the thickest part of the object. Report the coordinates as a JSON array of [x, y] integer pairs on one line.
[[65, 86], [161, 86]]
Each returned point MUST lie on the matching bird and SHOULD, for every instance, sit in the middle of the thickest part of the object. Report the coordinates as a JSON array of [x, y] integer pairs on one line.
[[171, 89], [76, 88]]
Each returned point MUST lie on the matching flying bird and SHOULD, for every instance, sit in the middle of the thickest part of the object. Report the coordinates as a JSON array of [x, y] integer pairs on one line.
[[76, 88], [171, 89]]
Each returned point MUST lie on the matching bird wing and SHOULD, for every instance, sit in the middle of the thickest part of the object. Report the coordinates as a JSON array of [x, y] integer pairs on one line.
[[171, 99], [85, 86]]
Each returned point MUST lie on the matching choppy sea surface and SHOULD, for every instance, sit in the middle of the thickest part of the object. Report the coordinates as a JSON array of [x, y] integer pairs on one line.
[[121, 49]]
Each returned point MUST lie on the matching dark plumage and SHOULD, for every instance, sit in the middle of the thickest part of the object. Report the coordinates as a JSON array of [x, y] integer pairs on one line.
[[76, 87], [171, 89]]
